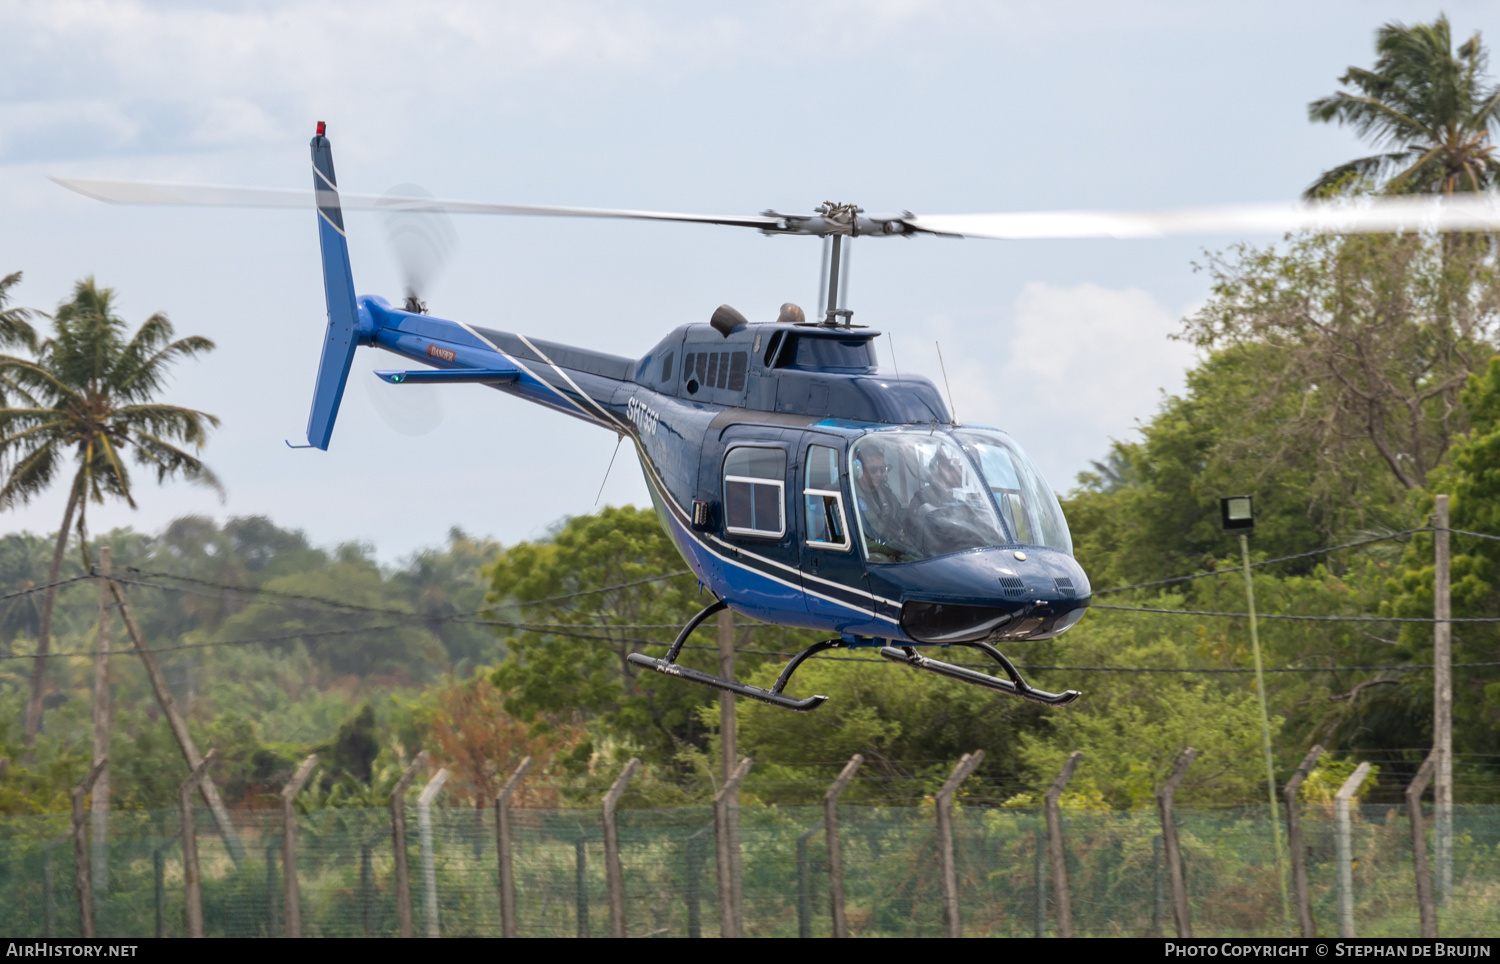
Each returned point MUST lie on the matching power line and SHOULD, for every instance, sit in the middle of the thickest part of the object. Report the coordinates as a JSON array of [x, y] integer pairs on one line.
[[1269, 562], [1321, 619], [338, 604]]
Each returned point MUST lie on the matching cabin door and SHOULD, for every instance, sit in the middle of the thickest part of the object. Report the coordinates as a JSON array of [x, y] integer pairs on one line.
[[833, 574]]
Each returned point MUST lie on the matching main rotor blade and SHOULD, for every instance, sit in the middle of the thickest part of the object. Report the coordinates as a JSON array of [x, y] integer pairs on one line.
[[207, 195], [1469, 212]]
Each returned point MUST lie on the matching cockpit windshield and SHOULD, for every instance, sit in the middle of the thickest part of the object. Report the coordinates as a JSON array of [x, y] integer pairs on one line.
[[917, 495], [1026, 500]]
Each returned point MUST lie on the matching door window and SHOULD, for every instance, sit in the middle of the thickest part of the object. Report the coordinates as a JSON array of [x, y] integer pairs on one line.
[[824, 500], [754, 492]]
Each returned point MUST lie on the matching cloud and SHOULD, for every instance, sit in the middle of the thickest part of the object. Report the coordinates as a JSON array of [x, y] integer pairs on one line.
[[1076, 367], [159, 78]]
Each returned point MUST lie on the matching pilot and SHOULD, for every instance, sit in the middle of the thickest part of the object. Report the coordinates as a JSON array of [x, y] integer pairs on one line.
[[883, 516]]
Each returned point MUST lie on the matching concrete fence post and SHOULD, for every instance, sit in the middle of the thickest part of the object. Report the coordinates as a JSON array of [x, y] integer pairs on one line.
[[1343, 847], [508, 926], [1300, 893], [804, 881], [398, 842], [731, 924], [1170, 845], [429, 858], [835, 849], [81, 849], [1061, 896], [1426, 908], [614, 874], [289, 845], [952, 925], [192, 877]]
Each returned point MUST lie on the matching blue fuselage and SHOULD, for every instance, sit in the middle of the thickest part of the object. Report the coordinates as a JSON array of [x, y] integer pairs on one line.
[[788, 395]]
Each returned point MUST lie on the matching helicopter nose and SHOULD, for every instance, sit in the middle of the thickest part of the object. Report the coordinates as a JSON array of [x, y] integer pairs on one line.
[[998, 593]]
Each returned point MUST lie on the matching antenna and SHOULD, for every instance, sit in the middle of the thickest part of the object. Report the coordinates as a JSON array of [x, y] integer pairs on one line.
[[951, 409]]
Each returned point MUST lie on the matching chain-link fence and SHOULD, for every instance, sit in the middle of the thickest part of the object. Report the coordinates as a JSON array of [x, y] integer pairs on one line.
[[1116, 874]]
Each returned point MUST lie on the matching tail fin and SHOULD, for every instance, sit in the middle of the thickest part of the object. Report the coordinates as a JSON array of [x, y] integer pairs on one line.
[[342, 336]]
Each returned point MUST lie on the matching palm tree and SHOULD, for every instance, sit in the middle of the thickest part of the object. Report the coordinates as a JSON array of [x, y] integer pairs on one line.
[[87, 395], [1433, 112]]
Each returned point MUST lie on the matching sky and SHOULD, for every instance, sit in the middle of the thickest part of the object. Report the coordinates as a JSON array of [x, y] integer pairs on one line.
[[932, 107]]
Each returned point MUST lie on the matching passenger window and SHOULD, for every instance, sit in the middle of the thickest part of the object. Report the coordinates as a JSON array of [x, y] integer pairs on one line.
[[754, 492], [737, 364], [666, 367], [824, 500]]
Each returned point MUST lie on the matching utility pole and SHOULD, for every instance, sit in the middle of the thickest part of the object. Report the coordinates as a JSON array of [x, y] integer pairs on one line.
[[729, 753], [1442, 701], [99, 803]]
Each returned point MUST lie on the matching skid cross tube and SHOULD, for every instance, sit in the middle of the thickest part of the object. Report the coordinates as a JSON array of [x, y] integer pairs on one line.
[[774, 695], [1015, 686]]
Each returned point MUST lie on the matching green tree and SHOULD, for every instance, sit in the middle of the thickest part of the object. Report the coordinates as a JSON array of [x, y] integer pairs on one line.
[[582, 607], [1431, 109], [88, 395]]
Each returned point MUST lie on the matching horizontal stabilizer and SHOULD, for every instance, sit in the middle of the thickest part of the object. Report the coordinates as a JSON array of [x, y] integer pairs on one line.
[[484, 376]]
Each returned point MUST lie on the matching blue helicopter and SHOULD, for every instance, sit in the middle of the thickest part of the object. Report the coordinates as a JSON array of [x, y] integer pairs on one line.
[[803, 486]]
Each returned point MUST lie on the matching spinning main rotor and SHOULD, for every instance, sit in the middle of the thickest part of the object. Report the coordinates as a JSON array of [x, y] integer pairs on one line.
[[837, 222]]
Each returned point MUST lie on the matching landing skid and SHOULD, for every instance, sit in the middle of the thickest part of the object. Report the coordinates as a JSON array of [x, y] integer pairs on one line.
[[1015, 686], [774, 695]]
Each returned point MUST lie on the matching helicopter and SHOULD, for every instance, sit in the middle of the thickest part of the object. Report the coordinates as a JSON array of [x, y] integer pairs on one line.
[[804, 486]]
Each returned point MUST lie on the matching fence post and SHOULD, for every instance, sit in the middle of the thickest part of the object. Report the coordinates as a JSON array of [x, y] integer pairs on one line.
[[192, 879], [1157, 897], [289, 845], [835, 849], [952, 926], [1425, 907], [1055, 846], [581, 884], [502, 850], [178, 725], [272, 918], [49, 886], [398, 841], [614, 875], [1041, 883], [726, 842], [694, 883], [367, 883], [804, 884], [99, 858], [424, 843], [159, 885], [1300, 891], [1344, 849], [81, 852], [1170, 845]]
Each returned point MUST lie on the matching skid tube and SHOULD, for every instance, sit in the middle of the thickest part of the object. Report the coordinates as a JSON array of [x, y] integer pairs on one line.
[[1015, 686], [773, 696]]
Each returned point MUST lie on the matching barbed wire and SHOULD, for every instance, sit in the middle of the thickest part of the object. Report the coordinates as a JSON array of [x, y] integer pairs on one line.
[[42, 588]]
